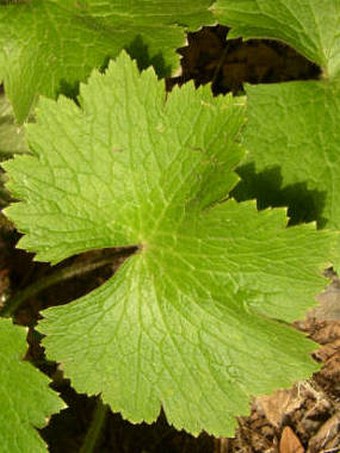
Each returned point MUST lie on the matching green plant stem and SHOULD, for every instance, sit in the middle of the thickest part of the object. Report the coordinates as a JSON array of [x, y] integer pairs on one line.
[[63, 274], [96, 427]]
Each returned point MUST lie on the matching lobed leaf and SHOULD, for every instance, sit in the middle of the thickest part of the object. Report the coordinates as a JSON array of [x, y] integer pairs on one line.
[[196, 320]]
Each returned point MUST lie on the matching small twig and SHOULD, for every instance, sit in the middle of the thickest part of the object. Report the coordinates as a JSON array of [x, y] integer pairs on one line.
[[220, 63]]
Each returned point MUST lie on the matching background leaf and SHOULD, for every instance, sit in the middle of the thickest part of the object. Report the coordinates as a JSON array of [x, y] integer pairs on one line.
[[187, 319], [295, 127], [47, 47], [310, 26], [292, 135], [25, 398]]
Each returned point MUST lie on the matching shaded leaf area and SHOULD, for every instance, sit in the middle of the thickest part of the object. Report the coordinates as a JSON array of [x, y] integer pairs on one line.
[[49, 46], [229, 63], [304, 205]]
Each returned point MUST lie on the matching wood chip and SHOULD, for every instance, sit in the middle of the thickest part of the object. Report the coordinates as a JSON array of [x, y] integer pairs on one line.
[[289, 442]]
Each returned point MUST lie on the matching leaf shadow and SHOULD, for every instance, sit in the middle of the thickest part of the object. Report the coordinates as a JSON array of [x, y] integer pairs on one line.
[[139, 51], [69, 89], [304, 205]]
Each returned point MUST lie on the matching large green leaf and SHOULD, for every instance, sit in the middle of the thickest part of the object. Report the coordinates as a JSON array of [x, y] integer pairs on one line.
[[292, 131], [194, 321], [47, 46], [25, 398]]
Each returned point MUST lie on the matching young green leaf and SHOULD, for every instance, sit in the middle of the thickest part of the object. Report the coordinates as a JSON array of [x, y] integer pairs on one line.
[[25, 398], [47, 46], [194, 321]]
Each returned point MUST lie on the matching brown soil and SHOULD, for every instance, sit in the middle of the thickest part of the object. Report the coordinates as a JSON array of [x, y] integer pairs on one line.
[[228, 63]]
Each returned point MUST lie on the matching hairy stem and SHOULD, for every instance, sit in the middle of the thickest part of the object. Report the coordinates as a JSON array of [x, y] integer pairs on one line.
[[96, 427], [58, 276]]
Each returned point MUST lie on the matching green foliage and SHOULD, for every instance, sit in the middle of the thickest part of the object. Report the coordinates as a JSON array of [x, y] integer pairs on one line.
[[294, 127], [190, 318], [187, 319], [301, 138], [48, 46], [25, 399]]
